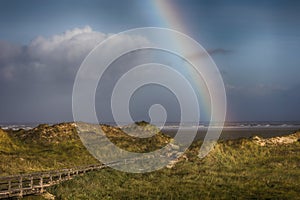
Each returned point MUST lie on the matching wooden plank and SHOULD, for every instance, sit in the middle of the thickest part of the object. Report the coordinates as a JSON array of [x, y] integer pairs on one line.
[[41, 184], [9, 187], [32, 183], [21, 186]]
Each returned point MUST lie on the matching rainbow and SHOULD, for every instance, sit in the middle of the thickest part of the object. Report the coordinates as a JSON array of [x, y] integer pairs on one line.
[[169, 17], [213, 104]]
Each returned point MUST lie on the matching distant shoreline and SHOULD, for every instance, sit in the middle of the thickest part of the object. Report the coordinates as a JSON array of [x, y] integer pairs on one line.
[[241, 132], [230, 131]]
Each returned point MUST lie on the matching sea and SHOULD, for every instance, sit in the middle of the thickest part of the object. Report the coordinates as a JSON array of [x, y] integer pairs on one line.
[[235, 130]]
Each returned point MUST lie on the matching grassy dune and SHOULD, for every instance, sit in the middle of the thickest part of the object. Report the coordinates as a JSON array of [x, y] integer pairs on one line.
[[41, 149], [239, 169], [236, 169], [59, 146]]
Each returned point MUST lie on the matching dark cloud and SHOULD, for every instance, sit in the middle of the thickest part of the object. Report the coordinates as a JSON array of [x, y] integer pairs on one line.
[[44, 59], [36, 80], [219, 51], [267, 102], [211, 52]]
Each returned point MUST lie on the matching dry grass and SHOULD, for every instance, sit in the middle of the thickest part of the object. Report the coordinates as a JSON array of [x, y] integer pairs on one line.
[[235, 169]]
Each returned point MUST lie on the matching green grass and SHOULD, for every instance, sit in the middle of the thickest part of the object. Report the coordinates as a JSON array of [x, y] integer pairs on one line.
[[55, 147], [235, 169], [42, 158], [25, 152]]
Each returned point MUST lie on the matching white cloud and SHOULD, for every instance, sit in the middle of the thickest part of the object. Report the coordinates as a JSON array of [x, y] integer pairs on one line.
[[71, 44], [56, 56], [36, 80]]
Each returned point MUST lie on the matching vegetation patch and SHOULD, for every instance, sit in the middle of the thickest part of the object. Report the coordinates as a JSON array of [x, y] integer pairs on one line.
[[235, 169]]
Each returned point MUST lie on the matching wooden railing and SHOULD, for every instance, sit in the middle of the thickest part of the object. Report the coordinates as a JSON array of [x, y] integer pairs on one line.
[[33, 183]]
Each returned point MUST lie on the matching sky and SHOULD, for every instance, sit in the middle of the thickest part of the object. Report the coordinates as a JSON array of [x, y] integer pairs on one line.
[[255, 44]]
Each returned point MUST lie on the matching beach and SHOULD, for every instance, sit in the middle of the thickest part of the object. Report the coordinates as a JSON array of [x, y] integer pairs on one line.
[[239, 132]]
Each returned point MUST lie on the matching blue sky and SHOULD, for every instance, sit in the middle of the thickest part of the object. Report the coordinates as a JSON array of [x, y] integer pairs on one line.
[[255, 44]]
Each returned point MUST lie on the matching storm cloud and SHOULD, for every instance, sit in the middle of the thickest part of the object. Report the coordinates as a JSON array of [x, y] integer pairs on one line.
[[37, 79]]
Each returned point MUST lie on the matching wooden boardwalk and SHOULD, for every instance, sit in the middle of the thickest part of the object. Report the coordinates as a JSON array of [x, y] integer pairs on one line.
[[34, 183]]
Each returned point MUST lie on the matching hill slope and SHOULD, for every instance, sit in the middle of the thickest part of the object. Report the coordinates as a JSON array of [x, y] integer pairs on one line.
[[235, 169], [255, 168], [59, 146]]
